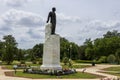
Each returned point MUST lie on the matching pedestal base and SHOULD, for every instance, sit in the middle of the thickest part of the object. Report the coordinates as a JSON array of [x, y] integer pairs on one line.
[[51, 55], [52, 67]]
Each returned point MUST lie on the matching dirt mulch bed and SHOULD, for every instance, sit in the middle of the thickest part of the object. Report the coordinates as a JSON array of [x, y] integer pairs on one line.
[[3, 67], [10, 73]]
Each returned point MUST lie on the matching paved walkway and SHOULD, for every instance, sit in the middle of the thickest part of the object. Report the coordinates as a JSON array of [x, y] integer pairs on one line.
[[97, 69], [92, 70]]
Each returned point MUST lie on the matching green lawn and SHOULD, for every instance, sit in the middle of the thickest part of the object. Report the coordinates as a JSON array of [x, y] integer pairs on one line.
[[64, 66], [70, 76], [112, 69], [8, 66], [76, 66], [11, 66], [113, 73], [81, 66]]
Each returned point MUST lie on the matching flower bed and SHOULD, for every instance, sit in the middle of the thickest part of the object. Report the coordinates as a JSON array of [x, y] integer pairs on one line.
[[49, 72]]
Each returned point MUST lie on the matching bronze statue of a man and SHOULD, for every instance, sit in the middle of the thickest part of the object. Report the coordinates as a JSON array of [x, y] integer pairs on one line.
[[52, 18]]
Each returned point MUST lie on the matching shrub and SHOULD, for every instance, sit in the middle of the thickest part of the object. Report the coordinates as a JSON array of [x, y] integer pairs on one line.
[[22, 62], [70, 63], [85, 61], [40, 61], [111, 58], [102, 59], [34, 62], [65, 60]]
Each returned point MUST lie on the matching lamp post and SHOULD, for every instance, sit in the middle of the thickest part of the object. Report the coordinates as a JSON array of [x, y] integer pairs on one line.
[[70, 50], [70, 63]]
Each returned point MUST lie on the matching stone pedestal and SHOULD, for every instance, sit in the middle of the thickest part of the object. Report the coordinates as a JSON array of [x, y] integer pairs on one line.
[[51, 55]]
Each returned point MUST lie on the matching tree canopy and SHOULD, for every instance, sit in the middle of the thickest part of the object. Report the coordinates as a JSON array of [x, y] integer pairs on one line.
[[9, 48], [98, 49]]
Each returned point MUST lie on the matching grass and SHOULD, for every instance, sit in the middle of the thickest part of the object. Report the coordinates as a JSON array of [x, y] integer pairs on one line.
[[77, 75], [86, 61], [81, 66], [8, 66], [113, 73], [15, 63], [112, 69], [31, 64], [76, 66], [83, 61]]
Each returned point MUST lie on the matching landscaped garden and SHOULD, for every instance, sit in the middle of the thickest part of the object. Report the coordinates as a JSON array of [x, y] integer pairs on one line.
[[113, 70], [70, 76], [72, 56], [20, 71]]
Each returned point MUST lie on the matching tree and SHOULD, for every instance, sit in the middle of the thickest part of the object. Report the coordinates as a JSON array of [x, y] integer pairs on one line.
[[64, 48], [73, 50], [38, 50], [28, 54], [32, 56], [89, 51], [20, 55], [1, 49], [117, 54], [81, 52], [10, 45], [88, 43], [111, 34], [100, 47], [68, 49], [105, 46]]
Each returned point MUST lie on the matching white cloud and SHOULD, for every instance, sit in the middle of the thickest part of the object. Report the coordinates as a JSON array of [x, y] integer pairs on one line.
[[24, 26], [36, 33], [64, 19], [103, 25], [95, 29], [24, 19], [16, 3], [28, 28]]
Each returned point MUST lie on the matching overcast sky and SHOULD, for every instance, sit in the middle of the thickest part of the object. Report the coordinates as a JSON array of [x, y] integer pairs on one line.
[[77, 20]]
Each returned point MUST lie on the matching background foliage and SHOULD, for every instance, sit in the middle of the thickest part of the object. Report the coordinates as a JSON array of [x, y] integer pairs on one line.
[[102, 49]]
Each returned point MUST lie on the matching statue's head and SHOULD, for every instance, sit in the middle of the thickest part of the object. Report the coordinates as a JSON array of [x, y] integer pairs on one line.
[[53, 9]]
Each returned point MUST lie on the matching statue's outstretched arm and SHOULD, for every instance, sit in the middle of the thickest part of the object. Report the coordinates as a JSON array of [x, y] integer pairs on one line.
[[48, 17]]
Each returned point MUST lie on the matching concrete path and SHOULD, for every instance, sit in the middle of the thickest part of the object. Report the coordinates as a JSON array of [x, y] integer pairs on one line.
[[98, 68], [93, 70]]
